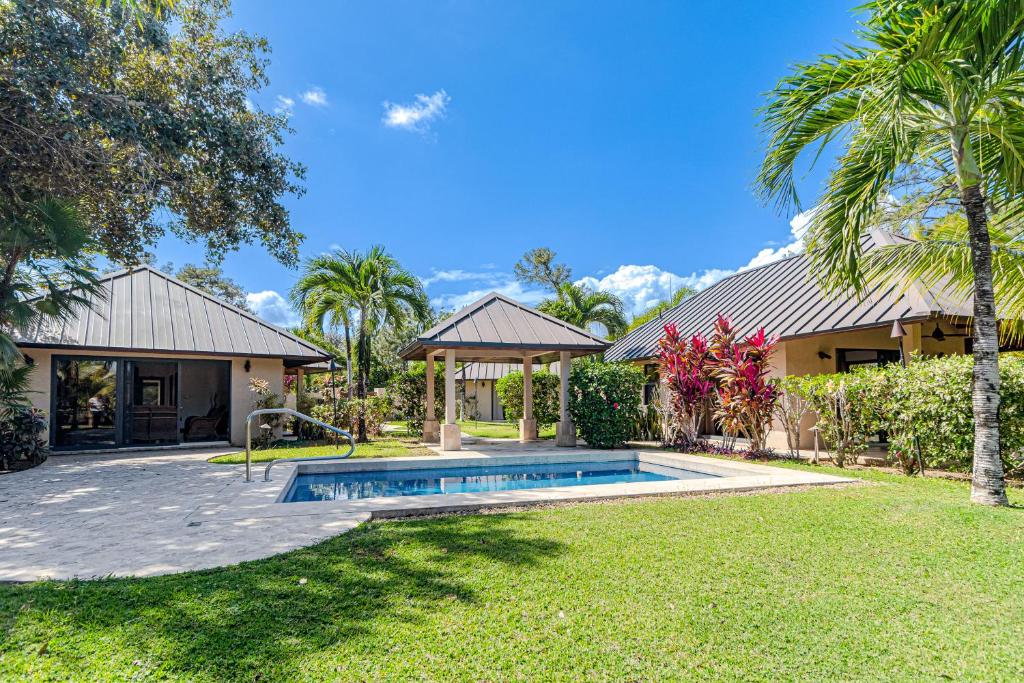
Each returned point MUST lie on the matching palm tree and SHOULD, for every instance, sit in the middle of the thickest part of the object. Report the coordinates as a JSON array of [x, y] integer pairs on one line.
[[582, 306], [935, 82], [660, 307], [43, 272], [325, 303], [373, 285]]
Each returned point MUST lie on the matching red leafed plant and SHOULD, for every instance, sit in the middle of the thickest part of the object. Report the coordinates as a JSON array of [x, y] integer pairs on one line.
[[685, 369], [746, 395]]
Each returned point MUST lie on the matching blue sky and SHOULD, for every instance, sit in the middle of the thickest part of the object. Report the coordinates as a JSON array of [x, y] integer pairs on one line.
[[461, 134]]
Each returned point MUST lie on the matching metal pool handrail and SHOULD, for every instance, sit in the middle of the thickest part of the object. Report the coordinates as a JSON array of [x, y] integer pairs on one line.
[[301, 416]]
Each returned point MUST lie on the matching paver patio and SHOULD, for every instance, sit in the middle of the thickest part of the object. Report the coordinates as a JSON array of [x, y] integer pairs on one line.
[[130, 514]]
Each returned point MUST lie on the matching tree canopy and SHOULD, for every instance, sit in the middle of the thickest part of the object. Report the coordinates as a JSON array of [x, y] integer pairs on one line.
[[143, 120], [538, 267]]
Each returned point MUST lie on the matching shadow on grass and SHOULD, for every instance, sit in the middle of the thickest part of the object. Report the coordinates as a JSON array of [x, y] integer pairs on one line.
[[261, 617]]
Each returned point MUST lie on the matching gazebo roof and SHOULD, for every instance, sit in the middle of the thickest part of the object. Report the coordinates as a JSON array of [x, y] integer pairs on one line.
[[496, 328]]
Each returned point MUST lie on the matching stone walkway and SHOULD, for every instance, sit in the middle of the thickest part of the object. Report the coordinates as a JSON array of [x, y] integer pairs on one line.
[[134, 514]]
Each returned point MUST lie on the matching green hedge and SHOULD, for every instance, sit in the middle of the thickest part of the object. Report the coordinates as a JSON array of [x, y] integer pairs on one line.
[[930, 399], [408, 393], [545, 397], [604, 401]]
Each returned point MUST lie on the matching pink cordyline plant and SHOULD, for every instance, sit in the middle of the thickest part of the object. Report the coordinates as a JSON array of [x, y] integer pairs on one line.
[[685, 369], [746, 396]]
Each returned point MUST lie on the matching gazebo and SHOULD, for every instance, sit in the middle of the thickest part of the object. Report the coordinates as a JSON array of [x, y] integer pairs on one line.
[[497, 329]]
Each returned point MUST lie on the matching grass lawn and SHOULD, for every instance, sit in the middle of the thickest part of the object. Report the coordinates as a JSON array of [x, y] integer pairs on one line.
[[388, 446], [901, 579], [500, 430]]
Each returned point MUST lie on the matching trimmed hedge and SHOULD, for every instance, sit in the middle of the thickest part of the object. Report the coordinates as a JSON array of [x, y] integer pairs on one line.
[[929, 399], [604, 401], [545, 397]]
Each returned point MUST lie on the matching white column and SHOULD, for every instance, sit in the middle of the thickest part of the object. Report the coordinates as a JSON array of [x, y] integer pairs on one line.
[[451, 438], [430, 427], [566, 431], [528, 425]]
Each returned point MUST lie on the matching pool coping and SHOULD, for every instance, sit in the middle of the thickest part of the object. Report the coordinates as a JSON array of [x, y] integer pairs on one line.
[[263, 499]]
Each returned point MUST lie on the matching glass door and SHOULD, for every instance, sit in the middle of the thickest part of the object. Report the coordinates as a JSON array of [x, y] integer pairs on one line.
[[151, 402], [85, 403]]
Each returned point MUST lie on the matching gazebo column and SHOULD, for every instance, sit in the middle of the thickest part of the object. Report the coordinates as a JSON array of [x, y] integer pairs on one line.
[[565, 434], [528, 425], [430, 426], [451, 438]]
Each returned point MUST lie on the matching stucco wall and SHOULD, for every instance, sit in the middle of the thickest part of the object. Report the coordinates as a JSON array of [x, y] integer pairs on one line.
[[270, 369], [482, 390]]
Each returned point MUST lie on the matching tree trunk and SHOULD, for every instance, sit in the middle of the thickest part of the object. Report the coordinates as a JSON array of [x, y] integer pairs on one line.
[[348, 360], [363, 351], [988, 486]]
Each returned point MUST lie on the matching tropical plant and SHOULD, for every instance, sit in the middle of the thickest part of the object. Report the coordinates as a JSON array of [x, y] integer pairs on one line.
[[372, 285], [538, 267], [790, 409], [842, 415], [145, 119], [746, 396], [546, 386], [20, 440], [374, 411], [44, 276], [603, 401], [582, 306], [262, 398], [934, 89], [685, 369], [657, 309], [408, 392]]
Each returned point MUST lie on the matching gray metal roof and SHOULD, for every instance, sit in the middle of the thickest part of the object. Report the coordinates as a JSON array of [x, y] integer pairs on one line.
[[149, 311], [476, 371], [496, 328], [785, 298]]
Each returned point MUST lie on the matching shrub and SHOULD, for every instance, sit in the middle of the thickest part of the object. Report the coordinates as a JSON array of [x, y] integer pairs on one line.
[[790, 409], [603, 401], [746, 397], [843, 418], [19, 437], [375, 411], [408, 394], [685, 368], [545, 396], [263, 398]]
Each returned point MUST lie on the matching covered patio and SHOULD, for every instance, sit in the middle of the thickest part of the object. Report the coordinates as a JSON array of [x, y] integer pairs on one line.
[[497, 329]]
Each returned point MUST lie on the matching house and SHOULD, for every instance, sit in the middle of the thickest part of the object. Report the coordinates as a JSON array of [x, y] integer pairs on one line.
[[818, 333], [478, 382], [153, 361]]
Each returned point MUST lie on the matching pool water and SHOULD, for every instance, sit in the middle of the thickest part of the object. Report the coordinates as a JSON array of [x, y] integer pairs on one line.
[[423, 482]]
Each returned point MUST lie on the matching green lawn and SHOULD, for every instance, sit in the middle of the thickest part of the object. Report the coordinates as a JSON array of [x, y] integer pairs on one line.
[[900, 579], [382, 447], [500, 430]]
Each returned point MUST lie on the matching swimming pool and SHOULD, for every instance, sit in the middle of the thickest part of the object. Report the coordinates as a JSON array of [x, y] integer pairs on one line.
[[325, 486]]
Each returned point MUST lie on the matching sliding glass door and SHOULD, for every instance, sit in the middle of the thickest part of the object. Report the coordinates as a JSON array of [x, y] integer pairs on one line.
[[85, 402], [109, 402]]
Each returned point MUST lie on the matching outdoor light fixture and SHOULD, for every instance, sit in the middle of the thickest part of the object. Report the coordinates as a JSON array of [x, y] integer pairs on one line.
[[898, 332], [248, 365], [938, 334], [824, 356], [29, 360]]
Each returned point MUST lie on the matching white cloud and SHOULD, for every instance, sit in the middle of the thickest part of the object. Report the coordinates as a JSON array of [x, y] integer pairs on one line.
[[418, 115], [315, 97], [284, 105], [272, 307], [458, 275], [798, 231], [511, 288]]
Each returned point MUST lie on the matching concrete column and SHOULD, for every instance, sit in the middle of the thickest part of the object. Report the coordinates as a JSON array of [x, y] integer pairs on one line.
[[527, 425], [565, 433], [300, 386], [430, 426], [451, 438]]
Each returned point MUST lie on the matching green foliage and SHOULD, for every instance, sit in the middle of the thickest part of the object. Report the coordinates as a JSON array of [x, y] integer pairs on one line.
[[408, 392], [261, 398], [604, 399], [929, 399], [374, 410], [538, 267], [545, 396], [790, 409], [582, 306], [44, 275], [145, 120], [20, 424], [660, 307]]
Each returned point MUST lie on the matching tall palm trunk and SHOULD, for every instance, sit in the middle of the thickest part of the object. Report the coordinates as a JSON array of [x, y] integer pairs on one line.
[[363, 351], [988, 485], [348, 359]]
